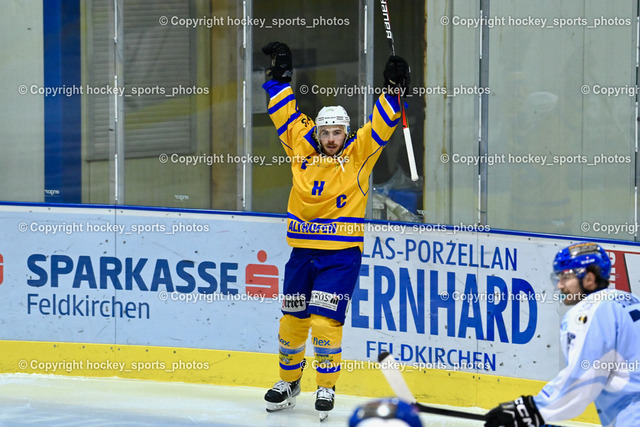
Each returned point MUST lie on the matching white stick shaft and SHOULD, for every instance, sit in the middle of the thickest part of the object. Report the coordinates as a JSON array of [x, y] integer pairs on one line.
[[412, 159], [389, 368]]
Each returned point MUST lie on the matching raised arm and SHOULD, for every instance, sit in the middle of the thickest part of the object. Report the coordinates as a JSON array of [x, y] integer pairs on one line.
[[290, 123]]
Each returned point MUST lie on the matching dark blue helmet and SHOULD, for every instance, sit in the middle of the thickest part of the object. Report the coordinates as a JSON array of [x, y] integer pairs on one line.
[[579, 256], [385, 409]]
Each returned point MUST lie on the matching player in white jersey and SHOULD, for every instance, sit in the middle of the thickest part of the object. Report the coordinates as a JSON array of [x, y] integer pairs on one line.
[[600, 339]]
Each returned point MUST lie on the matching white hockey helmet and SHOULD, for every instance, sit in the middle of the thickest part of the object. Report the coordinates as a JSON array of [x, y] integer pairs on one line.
[[332, 116]]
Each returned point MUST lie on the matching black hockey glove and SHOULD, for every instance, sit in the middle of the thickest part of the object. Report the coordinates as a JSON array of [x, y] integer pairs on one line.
[[521, 412], [281, 61], [397, 75]]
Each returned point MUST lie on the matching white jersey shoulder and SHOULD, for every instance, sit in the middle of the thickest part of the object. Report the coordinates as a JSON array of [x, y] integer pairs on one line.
[[599, 337]]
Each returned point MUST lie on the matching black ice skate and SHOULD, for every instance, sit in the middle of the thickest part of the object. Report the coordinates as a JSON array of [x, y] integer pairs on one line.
[[324, 401], [282, 395]]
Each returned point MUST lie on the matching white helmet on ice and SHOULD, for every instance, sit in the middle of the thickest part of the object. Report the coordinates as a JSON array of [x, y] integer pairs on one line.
[[332, 116]]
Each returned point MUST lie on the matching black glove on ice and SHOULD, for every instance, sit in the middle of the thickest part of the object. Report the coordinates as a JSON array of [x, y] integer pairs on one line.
[[521, 412]]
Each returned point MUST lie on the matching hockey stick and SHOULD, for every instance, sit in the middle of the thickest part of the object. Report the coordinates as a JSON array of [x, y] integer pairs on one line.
[[405, 127], [389, 368]]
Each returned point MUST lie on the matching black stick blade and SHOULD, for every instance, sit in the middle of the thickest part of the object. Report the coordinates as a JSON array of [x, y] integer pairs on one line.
[[383, 356]]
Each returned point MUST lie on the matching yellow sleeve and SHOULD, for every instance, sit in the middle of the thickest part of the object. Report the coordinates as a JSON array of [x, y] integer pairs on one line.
[[294, 128], [374, 135]]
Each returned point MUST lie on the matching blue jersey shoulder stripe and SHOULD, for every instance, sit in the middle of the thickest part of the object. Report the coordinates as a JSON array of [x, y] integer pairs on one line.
[[310, 140], [348, 143], [284, 127], [284, 101], [393, 102], [377, 138], [385, 117], [274, 87]]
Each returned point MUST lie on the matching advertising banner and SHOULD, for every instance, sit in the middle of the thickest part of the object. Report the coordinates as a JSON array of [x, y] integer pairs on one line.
[[436, 297]]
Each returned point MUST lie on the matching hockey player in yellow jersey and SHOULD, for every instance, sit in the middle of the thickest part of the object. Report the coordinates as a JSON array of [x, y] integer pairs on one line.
[[331, 166]]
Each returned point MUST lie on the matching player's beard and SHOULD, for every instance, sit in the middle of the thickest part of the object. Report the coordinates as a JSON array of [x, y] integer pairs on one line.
[[332, 150]]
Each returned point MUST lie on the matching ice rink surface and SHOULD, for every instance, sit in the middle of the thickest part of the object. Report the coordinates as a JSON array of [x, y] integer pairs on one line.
[[48, 400]]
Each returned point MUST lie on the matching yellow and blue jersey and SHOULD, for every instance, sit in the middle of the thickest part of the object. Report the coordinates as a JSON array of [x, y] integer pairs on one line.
[[329, 195]]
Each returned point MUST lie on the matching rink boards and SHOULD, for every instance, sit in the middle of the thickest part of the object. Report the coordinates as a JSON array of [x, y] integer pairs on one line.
[[195, 296]]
